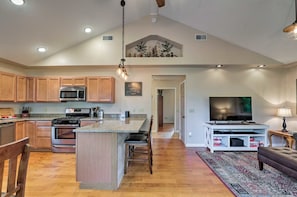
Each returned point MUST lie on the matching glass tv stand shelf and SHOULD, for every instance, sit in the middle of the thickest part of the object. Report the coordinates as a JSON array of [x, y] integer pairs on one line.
[[235, 137]]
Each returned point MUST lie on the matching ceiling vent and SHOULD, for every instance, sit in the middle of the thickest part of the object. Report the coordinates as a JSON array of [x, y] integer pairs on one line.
[[201, 37], [107, 38]]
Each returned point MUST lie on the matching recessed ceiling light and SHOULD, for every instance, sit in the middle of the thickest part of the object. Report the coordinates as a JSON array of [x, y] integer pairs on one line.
[[88, 30], [219, 65], [41, 49], [18, 2], [261, 66]]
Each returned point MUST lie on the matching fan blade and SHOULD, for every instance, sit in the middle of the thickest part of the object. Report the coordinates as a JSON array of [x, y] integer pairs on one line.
[[290, 28], [160, 3]]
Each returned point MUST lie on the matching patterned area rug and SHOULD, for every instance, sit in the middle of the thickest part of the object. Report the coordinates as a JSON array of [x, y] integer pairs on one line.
[[239, 171]]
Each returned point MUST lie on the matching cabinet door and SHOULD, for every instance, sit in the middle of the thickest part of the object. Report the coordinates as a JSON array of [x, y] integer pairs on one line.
[[106, 92], [7, 86], [30, 132], [21, 89], [53, 88], [41, 89], [92, 89], [30, 92], [43, 135], [47, 89], [66, 81], [73, 81], [20, 130], [79, 81]]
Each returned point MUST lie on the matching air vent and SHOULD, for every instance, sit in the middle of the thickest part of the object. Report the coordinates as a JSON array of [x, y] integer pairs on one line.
[[201, 37], [107, 37]]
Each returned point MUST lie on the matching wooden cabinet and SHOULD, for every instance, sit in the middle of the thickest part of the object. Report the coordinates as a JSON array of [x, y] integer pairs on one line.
[[101, 89], [53, 88], [30, 132], [20, 130], [43, 135], [21, 89], [30, 89], [73, 81], [47, 89], [7, 87]]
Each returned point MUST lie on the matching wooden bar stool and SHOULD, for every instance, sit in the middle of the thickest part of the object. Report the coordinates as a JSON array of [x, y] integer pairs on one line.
[[140, 143]]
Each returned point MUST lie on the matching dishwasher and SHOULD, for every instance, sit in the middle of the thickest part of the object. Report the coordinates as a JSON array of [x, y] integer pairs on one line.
[[7, 132]]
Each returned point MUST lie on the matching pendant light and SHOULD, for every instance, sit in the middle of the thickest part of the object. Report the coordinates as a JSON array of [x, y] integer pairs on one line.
[[122, 71], [292, 29]]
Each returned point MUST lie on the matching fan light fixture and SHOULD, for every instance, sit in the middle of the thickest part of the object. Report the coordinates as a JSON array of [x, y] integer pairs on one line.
[[122, 71], [292, 29], [18, 2]]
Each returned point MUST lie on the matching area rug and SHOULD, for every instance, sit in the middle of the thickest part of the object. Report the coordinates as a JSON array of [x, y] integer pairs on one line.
[[239, 171]]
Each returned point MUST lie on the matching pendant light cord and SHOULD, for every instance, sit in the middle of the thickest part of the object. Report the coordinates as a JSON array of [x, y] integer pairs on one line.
[[123, 30]]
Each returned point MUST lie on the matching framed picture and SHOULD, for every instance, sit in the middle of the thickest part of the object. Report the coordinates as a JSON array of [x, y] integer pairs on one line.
[[133, 88]]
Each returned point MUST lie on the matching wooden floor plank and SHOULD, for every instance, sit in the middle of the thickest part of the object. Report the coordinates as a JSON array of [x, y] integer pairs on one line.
[[177, 172]]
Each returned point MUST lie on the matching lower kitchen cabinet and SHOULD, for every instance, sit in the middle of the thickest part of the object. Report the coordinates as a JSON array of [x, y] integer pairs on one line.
[[43, 135], [20, 130], [39, 133], [30, 132]]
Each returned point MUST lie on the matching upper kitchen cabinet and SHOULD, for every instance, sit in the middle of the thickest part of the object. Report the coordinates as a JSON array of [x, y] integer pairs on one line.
[[30, 89], [73, 81], [47, 89], [21, 89], [7, 87], [101, 89]]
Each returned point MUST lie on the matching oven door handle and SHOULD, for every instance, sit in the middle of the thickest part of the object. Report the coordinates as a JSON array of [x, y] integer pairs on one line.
[[64, 146], [65, 126]]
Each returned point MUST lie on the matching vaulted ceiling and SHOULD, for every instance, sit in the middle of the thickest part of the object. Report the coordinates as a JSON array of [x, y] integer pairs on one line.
[[58, 24]]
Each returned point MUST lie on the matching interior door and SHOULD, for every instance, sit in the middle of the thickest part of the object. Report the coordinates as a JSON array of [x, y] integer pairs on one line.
[[182, 115]]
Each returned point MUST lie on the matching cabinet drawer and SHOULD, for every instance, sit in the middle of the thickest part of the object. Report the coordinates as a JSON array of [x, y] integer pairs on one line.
[[43, 123]]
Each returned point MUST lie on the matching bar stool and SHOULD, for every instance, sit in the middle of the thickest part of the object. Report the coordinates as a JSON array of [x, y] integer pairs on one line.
[[137, 144]]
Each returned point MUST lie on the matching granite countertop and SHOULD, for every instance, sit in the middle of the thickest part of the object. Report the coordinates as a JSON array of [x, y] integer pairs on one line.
[[129, 125], [42, 118]]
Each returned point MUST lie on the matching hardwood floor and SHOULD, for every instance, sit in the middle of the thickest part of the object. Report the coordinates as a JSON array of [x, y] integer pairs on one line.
[[177, 172]]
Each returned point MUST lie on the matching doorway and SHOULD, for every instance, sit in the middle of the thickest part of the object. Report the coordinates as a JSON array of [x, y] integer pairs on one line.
[[166, 110], [166, 105]]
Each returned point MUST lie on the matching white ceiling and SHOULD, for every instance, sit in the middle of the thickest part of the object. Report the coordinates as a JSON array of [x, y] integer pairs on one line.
[[58, 24]]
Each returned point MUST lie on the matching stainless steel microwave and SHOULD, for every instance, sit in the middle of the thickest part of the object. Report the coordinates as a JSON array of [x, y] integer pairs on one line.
[[73, 93]]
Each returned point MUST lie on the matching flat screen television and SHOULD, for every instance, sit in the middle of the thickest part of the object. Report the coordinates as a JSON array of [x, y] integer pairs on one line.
[[230, 108]]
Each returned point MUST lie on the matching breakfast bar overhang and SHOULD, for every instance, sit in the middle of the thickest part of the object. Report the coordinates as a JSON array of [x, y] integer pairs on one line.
[[100, 152]]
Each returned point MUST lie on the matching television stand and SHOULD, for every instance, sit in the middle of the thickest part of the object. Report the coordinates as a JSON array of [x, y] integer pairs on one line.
[[235, 136]]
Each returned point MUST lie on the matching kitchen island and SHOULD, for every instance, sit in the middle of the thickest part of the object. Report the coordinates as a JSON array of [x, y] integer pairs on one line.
[[100, 152]]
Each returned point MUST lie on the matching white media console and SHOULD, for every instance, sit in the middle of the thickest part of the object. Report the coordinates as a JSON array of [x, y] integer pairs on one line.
[[235, 137]]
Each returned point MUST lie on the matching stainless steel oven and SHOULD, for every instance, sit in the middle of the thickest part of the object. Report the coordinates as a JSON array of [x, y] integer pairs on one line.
[[63, 137]]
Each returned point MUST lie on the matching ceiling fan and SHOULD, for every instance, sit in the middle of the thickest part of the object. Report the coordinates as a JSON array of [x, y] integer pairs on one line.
[[160, 3], [293, 27]]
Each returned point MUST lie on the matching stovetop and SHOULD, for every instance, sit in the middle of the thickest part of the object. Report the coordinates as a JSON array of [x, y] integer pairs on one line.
[[66, 120], [73, 116]]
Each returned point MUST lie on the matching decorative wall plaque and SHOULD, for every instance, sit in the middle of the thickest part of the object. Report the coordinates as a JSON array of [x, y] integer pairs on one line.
[[133, 88], [154, 46]]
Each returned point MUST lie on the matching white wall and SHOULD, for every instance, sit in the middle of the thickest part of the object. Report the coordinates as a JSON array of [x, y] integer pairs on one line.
[[213, 51]]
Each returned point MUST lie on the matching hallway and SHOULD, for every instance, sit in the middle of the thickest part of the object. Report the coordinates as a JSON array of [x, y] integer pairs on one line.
[[166, 132]]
